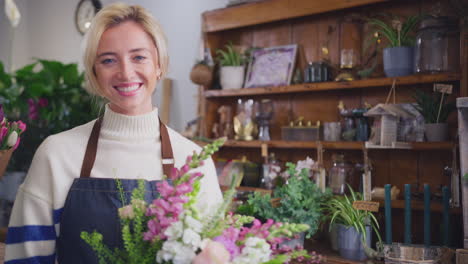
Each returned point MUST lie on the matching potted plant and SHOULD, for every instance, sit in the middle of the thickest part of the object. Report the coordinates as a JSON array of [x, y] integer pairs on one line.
[[435, 113], [398, 57], [299, 200], [353, 225], [232, 67]]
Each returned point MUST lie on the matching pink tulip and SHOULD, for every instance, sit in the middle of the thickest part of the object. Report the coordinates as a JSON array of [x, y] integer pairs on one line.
[[21, 126], [17, 143], [213, 253]]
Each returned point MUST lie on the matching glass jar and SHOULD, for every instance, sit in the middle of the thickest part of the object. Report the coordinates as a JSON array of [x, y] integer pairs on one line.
[[437, 45], [339, 174]]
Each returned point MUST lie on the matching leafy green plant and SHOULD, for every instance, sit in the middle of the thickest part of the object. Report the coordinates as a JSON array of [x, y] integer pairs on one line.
[[397, 31], [341, 211], [50, 98], [298, 201], [230, 57], [428, 105]]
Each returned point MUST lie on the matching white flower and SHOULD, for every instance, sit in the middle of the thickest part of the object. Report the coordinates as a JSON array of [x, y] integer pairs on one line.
[[174, 231], [12, 12], [176, 252], [191, 238], [308, 164], [256, 250], [12, 138], [193, 224]]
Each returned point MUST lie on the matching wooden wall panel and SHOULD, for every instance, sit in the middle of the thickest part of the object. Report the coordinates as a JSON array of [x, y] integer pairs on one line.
[[274, 34]]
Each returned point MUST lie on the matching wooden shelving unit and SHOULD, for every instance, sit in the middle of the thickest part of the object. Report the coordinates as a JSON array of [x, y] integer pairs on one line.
[[376, 83], [314, 26], [270, 11], [340, 145]]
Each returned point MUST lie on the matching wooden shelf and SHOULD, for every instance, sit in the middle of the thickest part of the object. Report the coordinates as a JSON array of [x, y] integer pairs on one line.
[[344, 145], [419, 206], [327, 86], [273, 10]]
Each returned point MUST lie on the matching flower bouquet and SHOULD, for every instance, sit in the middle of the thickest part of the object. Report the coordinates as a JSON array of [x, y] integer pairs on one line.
[[171, 230], [9, 139]]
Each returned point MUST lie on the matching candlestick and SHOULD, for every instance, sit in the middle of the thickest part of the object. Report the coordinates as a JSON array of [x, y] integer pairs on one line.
[[388, 214], [427, 215], [408, 213], [445, 215]]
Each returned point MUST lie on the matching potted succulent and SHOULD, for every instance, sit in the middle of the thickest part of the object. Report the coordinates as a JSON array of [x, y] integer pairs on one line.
[[299, 200], [435, 113], [398, 57], [232, 67], [353, 225]]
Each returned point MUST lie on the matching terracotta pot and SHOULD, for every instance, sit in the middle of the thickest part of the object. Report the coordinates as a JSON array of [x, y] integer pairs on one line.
[[5, 156]]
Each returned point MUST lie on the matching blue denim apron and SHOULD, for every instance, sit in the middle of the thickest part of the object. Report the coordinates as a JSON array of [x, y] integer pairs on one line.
[[92, 204]]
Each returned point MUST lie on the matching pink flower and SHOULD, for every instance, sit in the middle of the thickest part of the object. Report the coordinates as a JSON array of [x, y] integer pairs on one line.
[[183, 188], [164, 188], [33, 109], [43, 102], [174, 174], [21, 126], [126, 212], [229, 244], [3, 132], [213, 253]]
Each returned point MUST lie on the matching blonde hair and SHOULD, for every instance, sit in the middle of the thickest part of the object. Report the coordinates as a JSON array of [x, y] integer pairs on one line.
[[113, 15]]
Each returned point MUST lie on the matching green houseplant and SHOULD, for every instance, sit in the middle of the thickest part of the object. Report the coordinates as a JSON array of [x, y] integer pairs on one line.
[[232, 67], [354, 226], [435, 112], [49, 96], [298, 201], [398, 56]]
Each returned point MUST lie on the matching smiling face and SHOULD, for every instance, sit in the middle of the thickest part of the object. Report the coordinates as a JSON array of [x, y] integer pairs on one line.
[[127, 68]]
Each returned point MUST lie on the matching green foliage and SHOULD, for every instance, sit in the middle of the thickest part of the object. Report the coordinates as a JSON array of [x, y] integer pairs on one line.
[[301, 201], [136, 250], [61, 86], [397, 32], [230, 57], [465, 177], [428, 105], [341, 211]]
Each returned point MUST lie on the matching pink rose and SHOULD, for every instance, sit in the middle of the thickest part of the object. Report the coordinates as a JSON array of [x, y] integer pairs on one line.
[[213, 253]]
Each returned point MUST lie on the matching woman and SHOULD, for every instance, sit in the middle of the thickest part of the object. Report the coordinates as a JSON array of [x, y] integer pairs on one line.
[[71, 184]]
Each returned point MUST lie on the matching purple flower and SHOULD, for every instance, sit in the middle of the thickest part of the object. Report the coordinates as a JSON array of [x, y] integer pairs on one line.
[[33, 109], [2, 114], [230, 245], [43, 102]]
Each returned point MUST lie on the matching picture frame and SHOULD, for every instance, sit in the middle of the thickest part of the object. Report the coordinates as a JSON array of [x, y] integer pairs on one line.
[[272, 66]]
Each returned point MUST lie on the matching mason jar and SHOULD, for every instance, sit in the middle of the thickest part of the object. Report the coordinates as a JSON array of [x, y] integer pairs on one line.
[[437, 45]]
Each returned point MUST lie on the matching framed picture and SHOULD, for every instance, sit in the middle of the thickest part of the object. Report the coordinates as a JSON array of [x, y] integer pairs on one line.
[[271, 66]]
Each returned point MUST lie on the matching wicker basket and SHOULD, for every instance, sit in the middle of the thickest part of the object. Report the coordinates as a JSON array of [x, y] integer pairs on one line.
[[397, 253], [201, 74]]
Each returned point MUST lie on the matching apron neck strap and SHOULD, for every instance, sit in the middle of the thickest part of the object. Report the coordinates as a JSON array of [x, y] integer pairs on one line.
[[91, 149]]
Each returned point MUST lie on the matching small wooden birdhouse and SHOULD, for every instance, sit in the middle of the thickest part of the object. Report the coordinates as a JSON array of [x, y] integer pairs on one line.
[[385, 129]]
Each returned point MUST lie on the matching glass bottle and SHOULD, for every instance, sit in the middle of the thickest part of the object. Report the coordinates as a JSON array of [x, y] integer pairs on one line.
[[339, 174], [271, 170]]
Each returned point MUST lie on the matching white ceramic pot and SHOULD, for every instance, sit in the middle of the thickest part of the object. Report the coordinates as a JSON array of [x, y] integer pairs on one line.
[[232, 77], [436, 132]]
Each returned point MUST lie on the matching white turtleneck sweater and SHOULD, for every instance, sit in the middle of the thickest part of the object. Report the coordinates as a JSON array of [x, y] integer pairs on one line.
[[129, 148]]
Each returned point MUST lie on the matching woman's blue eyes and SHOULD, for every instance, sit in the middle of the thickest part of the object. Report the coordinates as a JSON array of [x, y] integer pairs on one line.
[[136, 58], [107, 61]]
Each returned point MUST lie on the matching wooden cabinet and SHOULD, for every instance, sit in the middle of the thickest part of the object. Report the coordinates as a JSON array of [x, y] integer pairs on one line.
[[331, 24]]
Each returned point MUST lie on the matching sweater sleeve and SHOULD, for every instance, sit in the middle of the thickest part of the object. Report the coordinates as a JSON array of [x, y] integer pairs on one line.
[[32, 230]]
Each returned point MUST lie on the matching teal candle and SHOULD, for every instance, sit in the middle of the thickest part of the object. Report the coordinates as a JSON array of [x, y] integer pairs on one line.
[[445, 215], [388, 214], [427, 215], [408, 213]]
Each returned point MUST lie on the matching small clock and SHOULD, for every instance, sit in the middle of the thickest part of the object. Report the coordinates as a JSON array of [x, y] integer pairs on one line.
[[85, 11]]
